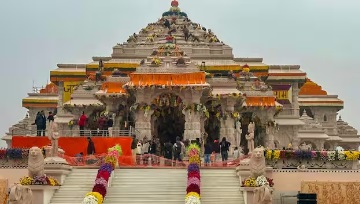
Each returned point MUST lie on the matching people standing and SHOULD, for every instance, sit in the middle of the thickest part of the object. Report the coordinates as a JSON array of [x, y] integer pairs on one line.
[[82, 123], [134, 147], [90, 147], [51, 117], [110, 124], [152, 151], [216, 150], [40, 122], [177, 148], [168, 153], [207, 153], [224, 149]]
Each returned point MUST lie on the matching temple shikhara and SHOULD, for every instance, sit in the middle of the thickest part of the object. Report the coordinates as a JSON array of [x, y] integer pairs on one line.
[[176, 78]]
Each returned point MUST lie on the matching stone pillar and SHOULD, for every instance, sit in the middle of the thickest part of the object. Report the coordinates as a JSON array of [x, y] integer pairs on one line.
[[270, 135], [143, 124], [192, 125], [295, 96], [60, 103], [227, 124]]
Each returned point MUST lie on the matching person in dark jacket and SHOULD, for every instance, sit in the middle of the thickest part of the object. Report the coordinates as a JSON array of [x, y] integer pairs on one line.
[[40, 122], [50, 117], [168, 152], [207, 153], [216, 150], [224, 149], [90, 147]]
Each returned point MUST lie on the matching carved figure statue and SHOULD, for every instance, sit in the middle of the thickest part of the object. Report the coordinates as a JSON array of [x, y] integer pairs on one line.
[[263, 195], [250, 136], [257, 162], [20, 194], [305, 147], [270, 131], [54, 138], [35, 162], [238, 132]]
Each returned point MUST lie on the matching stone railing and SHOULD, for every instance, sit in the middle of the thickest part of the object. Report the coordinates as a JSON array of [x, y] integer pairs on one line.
[[302, 160]]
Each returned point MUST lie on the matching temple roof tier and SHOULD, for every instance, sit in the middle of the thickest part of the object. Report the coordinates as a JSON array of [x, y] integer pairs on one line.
[[321, 100], [311, 129], [111, 89], [83, 102], [348, 133], [68, 72], [285, 73], [40, 100]]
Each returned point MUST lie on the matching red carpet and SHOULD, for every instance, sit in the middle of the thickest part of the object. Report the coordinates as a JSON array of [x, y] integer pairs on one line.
[[75, 145]]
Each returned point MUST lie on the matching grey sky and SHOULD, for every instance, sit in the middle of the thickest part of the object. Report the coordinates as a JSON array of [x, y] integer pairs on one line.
[[320, 35]]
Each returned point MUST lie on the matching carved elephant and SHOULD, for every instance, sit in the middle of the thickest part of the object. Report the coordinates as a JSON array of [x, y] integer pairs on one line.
[[20, 194]]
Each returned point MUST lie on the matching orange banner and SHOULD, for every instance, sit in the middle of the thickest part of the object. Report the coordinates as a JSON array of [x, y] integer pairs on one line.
[[167, 79], [75, 145]]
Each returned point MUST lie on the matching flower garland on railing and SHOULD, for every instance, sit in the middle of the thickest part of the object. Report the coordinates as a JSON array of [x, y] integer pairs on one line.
[[275, 155], [193, 182], [102, 179], [14, 153]]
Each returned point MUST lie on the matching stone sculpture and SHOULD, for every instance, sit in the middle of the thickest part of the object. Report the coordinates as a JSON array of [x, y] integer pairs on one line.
[[54, 138], [20, 194], [257, 162], [305, 147], [238, 132], [262, 194], [250, 136], [35, 162]]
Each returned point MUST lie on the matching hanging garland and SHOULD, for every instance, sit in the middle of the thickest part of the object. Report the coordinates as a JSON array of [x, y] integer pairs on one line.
[[197, 108]]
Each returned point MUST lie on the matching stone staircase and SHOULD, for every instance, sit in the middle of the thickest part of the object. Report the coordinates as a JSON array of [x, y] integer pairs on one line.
[[150, 186], [220, 186], [75, 187]]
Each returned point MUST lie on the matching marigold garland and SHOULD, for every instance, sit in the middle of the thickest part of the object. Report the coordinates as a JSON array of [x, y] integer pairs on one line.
[[97, 195], [276, 155], [102, 178], [193, 182]]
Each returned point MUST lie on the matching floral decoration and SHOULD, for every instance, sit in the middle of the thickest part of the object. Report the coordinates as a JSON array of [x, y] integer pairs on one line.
[[102, 179], [39, 180], [275, 155], [193, 182], [257, 182], [198, 108]]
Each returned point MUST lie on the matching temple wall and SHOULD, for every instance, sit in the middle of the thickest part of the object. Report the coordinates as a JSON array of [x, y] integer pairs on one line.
[[288, 182], [13, 175]]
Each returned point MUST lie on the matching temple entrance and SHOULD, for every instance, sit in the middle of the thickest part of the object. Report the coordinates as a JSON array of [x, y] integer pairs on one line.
[[212, 124], [259, 133], [169, 121]]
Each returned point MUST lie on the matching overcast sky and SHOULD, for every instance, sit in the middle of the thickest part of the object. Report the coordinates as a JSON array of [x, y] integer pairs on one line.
[[320, 35]]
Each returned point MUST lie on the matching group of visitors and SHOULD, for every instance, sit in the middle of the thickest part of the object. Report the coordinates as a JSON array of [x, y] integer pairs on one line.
[[219, 151], [175, 152], [40, 122], [103, 126]]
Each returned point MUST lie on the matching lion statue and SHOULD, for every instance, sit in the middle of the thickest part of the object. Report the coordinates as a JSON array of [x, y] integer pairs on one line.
[[263, 195], [20, 194], [257, 162], [35, 162]]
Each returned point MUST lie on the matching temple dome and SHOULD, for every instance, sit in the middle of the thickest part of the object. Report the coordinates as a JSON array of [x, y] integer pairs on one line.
[[311, 88], [310, 123]]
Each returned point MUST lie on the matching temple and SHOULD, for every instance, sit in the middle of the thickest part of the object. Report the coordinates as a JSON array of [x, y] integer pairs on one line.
[[177, 78]]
